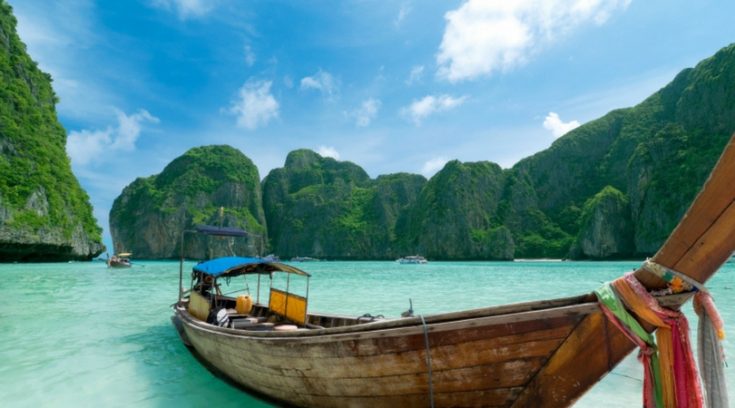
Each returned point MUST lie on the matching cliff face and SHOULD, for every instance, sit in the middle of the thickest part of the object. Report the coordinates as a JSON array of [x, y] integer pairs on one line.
[[148, 218], [321, 207], [45, 215], [657, 154], [606, 230], [456, 215]]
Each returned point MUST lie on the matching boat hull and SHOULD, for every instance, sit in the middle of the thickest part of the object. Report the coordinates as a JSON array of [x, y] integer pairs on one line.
[[475, 361]]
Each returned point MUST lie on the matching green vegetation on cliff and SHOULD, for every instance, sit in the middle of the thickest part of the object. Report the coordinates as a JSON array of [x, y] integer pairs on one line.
[[44, 212], [606, 230], [456, 216], [151, 213], [322, 207], [657, 154]]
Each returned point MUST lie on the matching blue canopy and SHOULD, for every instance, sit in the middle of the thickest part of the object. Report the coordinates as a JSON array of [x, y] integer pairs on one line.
[[235, 265]]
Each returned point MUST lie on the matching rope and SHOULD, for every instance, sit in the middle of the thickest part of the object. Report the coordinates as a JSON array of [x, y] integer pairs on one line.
[[428, 361], [669, 275]]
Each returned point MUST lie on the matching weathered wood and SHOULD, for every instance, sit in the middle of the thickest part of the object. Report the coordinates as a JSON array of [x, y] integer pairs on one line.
[[489, 356], [333, 362], [592, 350]]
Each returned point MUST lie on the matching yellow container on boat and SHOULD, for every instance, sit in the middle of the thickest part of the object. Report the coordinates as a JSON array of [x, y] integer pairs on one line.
[[199, 306], [244, 304]]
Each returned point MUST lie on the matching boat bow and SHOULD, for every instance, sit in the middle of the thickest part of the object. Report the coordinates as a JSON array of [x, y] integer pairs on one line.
[[701, 243]]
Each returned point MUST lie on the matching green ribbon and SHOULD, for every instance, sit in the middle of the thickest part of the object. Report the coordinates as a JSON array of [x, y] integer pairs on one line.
[[607, 296]]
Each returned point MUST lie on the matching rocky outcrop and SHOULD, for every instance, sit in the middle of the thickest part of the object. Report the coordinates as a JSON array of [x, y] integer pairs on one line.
[[45, 215], [456, 215], [211, 185], [606, 230], [324, 208]]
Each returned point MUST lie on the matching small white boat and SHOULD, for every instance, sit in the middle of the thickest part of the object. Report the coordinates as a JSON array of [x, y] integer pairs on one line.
[[412, 259]]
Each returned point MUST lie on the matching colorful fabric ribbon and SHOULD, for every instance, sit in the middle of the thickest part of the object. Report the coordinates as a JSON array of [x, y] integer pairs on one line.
[[613, 308], [671, 378], [711, 355]]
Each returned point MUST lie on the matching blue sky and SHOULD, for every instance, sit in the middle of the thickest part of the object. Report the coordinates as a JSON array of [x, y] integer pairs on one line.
[[394, 86]]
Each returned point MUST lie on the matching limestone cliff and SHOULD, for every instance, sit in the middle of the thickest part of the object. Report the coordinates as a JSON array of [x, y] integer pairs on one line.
[[606, 229], [148, 218], [456, 215], [320, 207]]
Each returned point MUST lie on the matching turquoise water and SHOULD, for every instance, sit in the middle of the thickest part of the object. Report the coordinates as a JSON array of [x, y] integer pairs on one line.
[[80, 334]]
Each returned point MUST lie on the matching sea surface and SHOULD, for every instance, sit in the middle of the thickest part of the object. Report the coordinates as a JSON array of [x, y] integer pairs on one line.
[[80, 334]]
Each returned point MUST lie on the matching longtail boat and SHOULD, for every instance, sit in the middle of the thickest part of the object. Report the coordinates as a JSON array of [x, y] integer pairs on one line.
[[120, 261], [543, 353]]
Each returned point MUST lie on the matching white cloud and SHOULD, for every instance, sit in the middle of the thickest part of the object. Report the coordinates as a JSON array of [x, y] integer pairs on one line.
[[482, 37], [367, 112], [88, 146], [428, 105], [556, 126], [186, 8], [249, 56], [328, 151], [402, 14], [432, 166], [255, 105], [415, 76], [322, 81], [129, 128]]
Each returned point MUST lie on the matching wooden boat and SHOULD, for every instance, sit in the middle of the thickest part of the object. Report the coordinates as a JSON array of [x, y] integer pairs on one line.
[[545, 353], [121, 260]]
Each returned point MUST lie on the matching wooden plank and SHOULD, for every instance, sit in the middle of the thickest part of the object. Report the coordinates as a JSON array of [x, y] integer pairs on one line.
[[405, 326], [592, 350], [486, 352], [711, 250], [290, 383], [397, 340]]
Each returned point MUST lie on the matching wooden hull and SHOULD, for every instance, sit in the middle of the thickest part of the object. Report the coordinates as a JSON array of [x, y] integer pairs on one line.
[[483, 357], [118, 265]]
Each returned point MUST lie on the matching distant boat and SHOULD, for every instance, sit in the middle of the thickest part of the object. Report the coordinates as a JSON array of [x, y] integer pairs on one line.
[[538, 260], [412, 259], [541, 353], [121, 260], [272, 258], [304, 259]]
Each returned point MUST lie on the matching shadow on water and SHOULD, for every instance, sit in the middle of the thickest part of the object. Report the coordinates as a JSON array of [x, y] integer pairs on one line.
[[177, 376]]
